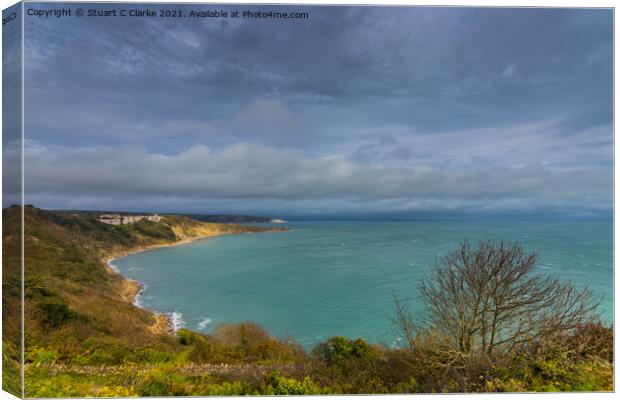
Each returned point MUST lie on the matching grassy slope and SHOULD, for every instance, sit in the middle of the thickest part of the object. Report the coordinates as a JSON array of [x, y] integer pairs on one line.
[[11, 310], [84, 338]]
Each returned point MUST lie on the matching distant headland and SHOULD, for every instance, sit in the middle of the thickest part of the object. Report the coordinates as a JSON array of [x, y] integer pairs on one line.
[[133, 216]]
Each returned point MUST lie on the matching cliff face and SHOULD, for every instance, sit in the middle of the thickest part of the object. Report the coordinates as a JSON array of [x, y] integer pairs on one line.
[[71, 297]]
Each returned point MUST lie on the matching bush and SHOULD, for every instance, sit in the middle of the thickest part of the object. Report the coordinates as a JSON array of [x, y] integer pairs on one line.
[[41, 356], [54, 312], [552, 373], [249, 342], [113, 391], [227, 389], [155, 386], [340, 350], [411, 386], [185, 336], [592, 339], [279, 385], [103, 351], [149, 355], [163, 383]]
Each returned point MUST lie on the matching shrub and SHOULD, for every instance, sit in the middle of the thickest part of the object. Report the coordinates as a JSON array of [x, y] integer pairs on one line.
[[103, 351], [54, 312], [339, 350], [592, 339], [155, 386], [41, 356], [249, 342], [185, 336], [279, 385], [113, 391], [552, 373], [227, 389], [411, 386], [149, 355], [163, 383]]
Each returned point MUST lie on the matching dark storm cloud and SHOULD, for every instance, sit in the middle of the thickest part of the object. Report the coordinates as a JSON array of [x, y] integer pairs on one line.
[[429, 102]]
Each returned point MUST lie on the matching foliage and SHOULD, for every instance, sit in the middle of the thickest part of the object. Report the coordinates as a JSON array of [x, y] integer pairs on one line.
[[11, 368], [339, 350], [149, 355], [251, 343], [54, 313], [161, 384], [150, 229], [235, 388], [552, 374], [279, 385], [341, 366]]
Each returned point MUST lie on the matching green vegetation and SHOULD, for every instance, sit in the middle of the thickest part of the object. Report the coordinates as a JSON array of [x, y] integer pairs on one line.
[[84, 337]]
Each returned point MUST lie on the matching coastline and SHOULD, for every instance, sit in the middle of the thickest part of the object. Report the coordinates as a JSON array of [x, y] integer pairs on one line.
[[131, 289]]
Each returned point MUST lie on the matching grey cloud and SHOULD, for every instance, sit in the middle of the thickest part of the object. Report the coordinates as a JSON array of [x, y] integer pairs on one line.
[[243, 172], [412, 65], [374, 107]]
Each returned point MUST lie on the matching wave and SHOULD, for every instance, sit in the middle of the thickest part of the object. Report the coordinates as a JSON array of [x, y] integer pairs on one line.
[[177, 320], [137, 300], [114, 267], [203, 324]]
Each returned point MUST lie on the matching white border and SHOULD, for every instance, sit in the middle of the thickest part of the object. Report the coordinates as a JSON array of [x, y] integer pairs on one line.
[[479, 3]]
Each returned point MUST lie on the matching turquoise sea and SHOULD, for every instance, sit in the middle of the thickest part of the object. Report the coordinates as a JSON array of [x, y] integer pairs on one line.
[[338, 278]]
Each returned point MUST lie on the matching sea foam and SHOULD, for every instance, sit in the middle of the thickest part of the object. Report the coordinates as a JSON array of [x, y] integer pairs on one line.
[[137, 301], [203, 324], [177, 320], [114, 267]]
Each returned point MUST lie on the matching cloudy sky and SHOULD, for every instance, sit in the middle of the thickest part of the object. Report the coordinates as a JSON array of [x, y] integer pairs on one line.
[[355, 110]]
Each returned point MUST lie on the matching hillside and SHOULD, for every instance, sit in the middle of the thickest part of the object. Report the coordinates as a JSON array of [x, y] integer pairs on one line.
[[72, 299]]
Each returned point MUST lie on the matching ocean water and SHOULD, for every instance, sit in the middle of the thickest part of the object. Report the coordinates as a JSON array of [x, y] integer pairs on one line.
[[338, 278]]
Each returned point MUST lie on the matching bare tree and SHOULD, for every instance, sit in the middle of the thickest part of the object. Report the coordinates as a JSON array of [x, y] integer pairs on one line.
[[488, 298], [404, 326]]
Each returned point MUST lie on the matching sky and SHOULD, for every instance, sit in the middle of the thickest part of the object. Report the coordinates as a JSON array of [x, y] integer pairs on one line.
[[403, 111]]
